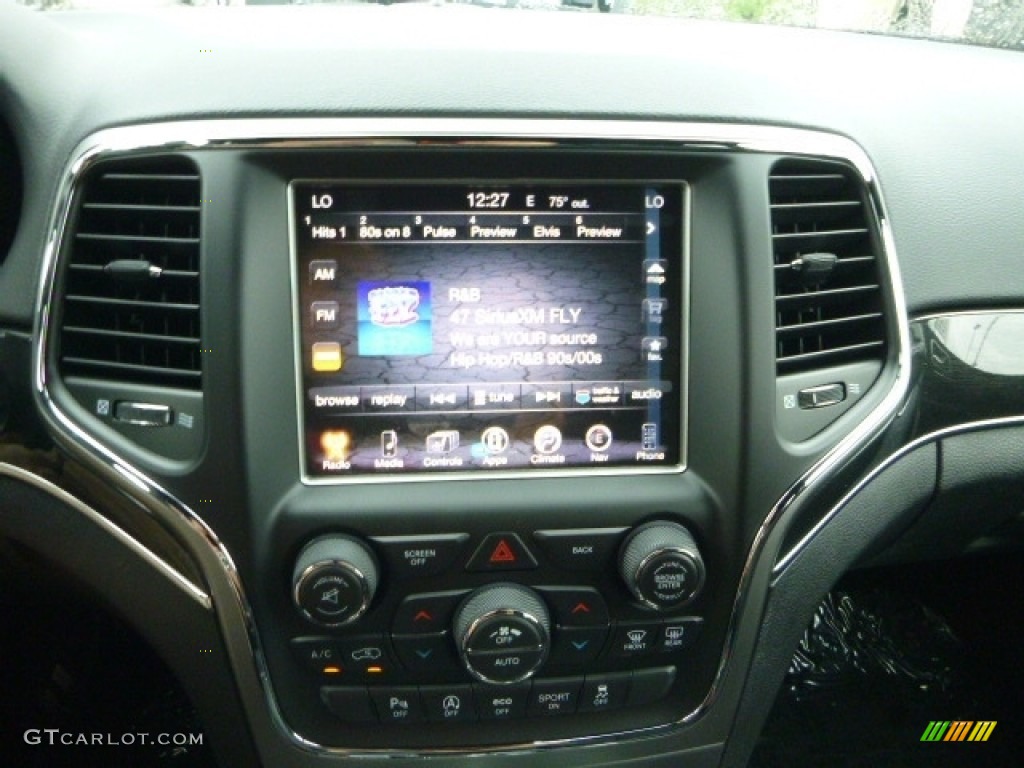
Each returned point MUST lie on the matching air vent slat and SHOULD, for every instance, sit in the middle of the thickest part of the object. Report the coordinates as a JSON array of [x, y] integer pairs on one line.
[[138, 238], [127, 207], [829, 307], [131, 335], [137, 304], [149, 370], [135, 325]]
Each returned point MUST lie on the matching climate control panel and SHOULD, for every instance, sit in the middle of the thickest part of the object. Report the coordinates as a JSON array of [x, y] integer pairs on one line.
[[608, 635]]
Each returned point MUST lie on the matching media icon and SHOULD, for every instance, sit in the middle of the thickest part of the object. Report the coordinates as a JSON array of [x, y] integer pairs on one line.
[[443, 441], [547, 439], [598, 438], [495, 440], [389, 443]]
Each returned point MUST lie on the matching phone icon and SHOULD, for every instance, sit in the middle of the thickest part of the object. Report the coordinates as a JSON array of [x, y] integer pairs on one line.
[[389, 443], [649, 436]]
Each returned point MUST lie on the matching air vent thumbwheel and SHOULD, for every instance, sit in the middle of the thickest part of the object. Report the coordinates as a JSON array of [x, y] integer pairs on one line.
[[334, 580], [661, 565]]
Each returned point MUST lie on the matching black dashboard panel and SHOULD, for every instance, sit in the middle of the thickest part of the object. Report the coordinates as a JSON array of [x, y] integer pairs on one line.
[[587, 615]]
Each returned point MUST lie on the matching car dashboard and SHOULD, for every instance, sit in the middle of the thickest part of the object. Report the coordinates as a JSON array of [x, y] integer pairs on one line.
[[498, 386]]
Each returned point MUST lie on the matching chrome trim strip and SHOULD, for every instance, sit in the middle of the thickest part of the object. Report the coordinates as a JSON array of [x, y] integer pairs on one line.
[[235, 615], [974, 426], [158, 564]]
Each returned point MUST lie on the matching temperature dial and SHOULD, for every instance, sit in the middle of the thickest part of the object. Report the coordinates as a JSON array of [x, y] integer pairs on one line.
[[503, 633]]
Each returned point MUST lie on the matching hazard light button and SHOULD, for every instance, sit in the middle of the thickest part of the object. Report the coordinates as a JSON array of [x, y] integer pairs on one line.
[[502, 552]]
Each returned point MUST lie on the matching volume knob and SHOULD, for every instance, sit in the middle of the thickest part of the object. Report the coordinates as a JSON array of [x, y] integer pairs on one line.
[[661, 565], [334, 580]]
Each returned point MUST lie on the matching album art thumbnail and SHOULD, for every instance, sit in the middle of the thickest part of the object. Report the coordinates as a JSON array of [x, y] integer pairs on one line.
[[395, 318]]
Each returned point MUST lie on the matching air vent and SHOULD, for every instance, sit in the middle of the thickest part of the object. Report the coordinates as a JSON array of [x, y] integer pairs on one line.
[[131, 289], [828, 298]]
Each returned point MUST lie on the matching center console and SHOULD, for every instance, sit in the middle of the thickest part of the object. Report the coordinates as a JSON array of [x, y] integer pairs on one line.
[[497, 538], [483, 433]]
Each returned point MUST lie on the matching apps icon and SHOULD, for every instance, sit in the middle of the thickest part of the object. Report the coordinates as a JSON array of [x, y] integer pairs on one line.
[[443, 441], [547, 439], [495, 440], [598, 438]]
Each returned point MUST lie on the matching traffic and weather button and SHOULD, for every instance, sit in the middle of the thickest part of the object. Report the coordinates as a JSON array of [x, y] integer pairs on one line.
[[502, 552]]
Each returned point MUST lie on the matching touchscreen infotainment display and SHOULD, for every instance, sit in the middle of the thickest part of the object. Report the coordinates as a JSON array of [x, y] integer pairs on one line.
[[462, 327]]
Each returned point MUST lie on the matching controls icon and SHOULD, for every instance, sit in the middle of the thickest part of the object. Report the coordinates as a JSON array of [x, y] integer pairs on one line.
[[443, 441], [547, 440], [598, 438], [495, 440]]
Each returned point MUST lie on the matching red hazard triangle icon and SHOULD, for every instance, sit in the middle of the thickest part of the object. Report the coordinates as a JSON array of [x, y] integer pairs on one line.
[[502, 553]]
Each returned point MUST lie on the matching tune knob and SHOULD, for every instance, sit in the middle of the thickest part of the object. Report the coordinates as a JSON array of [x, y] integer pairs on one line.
[[661, 565], [334, 580], [503, 632]]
